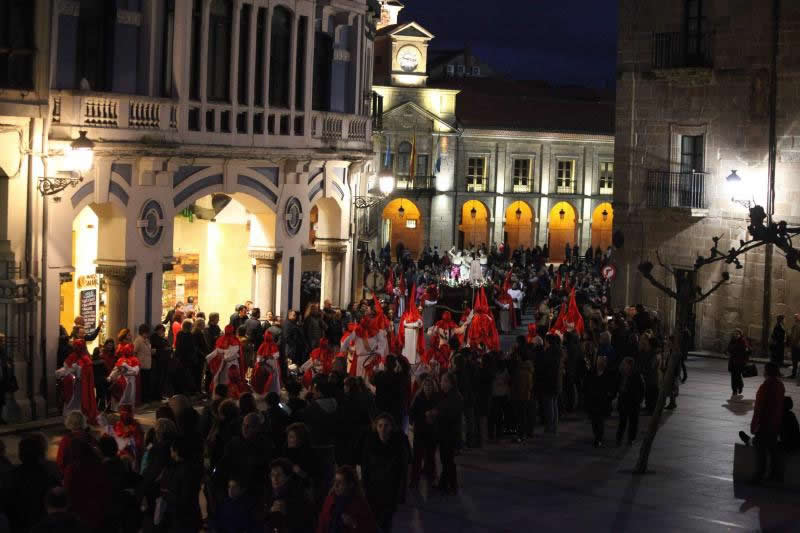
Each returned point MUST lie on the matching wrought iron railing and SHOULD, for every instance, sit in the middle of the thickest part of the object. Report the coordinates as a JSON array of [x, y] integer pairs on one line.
[[682, 50], [676, 189], [417, 183]]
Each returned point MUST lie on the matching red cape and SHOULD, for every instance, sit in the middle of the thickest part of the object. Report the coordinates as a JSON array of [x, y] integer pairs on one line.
[[88, 400]]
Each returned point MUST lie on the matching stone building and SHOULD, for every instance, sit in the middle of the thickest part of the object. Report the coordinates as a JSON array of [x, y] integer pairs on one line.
[[485, 160], [692, 106], [229, 136]]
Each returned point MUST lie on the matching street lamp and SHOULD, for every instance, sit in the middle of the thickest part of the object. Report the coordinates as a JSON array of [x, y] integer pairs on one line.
[[401, 211], [80, 157], [386, 183], [518, 212], [734, 184], [562, 213], [605, 215], [473, 212]]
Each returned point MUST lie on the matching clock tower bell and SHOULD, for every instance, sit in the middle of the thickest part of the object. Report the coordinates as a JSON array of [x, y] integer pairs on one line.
[[401, 55]]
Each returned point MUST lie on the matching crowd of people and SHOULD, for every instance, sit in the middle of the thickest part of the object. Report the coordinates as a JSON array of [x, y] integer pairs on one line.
[[324, 421]]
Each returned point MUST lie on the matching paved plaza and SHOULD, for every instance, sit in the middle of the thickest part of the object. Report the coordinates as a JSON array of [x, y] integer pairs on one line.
[[563, 484]]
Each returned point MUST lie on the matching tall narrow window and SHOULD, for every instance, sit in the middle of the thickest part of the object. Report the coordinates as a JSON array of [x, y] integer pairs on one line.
[[692, 153], [197, 48], [300, 68], [95, 44], [17, 48], [696, 33], [522, 175], [261, 53], [220, 26], [476, 174], [323, 63], [606, 177], [244, 53], [167, 45], [279, 57], [565, 177], [422, 165]]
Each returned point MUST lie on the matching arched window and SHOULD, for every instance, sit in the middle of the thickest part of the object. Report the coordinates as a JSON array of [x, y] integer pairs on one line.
[[220, 30], [280, 50]]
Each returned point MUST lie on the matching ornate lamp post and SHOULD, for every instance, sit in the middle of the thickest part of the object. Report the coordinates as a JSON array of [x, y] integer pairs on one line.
[[80, 157], [386, 184]]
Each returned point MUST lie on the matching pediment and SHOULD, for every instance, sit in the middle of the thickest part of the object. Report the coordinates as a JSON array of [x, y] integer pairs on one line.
[[410, 115], [411, 29]]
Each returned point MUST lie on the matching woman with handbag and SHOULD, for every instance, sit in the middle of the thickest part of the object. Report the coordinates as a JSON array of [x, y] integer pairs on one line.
[[738, 355]]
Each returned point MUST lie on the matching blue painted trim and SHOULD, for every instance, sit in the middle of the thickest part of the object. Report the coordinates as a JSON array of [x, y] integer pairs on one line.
[[154, 205], [314, 176], [82, 193], [271, 173], [265, 191], [197, 186], [184, 173], [117, 190], [339, 171], [315, 191], [341, 192], [125, 171]]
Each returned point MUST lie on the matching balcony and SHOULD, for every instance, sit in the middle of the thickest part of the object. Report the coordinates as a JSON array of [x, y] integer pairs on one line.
[[684, 190], [417, 183], [133, 118], [678, 50]]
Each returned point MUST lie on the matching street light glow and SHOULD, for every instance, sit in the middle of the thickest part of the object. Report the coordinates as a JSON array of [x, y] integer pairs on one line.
[[386, 184], [80, 154]]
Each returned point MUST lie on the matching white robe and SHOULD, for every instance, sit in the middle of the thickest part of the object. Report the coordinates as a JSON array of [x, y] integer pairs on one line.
[[410, 339], [73, 373], [475, 272], [230, 359], [129, 373]]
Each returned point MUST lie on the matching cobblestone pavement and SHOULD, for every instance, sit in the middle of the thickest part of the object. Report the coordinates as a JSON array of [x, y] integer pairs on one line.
[[561, 483]]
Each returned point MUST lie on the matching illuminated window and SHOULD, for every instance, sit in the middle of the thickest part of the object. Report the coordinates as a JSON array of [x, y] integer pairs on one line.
[[522, 175], [606, 177], [476, 174], [565, 177], [411, 223]]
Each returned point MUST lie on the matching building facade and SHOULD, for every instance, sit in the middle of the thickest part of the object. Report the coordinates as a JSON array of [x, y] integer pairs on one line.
[[229, 138], [482, 161], [692, 106]]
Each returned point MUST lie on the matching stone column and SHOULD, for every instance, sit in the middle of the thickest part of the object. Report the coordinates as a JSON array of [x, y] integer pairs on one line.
[[118, 280], [266, 274], [333, 251]]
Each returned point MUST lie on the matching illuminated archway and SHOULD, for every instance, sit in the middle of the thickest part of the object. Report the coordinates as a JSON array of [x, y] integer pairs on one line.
[[402, 222], [519, 225], [562, 225], [219, 245], [602, 226], [474, 225]]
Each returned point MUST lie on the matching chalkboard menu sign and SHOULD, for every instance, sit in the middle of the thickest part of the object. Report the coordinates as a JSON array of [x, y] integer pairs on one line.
[[89, 307]]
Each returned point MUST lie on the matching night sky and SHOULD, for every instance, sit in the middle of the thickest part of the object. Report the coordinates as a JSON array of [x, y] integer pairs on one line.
[[566, 42]]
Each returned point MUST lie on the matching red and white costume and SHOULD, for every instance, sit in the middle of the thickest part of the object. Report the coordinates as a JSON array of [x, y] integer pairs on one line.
[[124, 377], [266, 372], [367, 347], [77, 377], [410, 337], [129, 435], [429, 300], [227, 364], [319, 362], [508, 318]]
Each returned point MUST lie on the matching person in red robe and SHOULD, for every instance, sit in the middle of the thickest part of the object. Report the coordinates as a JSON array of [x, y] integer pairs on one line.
[[266, 373], [78, 377], [482, 330], [227, 364], [532, 333], [410, 337], [124, 378], [319, 362], [129, 435]]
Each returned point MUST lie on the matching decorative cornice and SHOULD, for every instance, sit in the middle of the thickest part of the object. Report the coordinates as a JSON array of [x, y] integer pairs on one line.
[[120, 273], [70, 8], [265, 254], [130, 18], [331, 246]]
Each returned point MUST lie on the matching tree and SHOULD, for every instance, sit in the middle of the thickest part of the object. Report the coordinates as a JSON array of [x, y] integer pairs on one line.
[[777, 234]]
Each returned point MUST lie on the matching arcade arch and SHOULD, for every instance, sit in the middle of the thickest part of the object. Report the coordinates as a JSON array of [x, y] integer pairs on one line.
[[402, 224], [602, 226], [562, 229], [519, 225], [474, 227]]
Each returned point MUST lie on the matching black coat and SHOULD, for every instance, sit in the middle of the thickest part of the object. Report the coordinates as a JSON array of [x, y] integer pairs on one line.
[[276, 421], [631, 392], [298, 517], [384, 468], [547, 366], [448, 418], [23, 494], [390, 394], [424, 431], [182, 481], [598, 392]]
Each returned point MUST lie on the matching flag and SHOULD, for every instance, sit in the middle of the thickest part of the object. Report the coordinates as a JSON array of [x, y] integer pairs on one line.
[[412, 170], [387, 160], [437, 167], [574, 315]]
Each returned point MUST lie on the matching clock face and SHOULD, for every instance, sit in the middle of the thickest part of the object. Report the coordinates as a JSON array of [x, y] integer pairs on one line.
[[409, 58]]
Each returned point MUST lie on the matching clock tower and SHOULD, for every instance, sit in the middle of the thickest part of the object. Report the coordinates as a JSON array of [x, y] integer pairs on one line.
[[401, 55]]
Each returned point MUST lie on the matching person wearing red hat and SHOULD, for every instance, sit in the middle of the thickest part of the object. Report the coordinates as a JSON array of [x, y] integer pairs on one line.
[[123, 379], [227, 364], [429, 300], [410, 337], [78, 379], [266, 373], [320, 362], [482, 329], [129, 435]]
